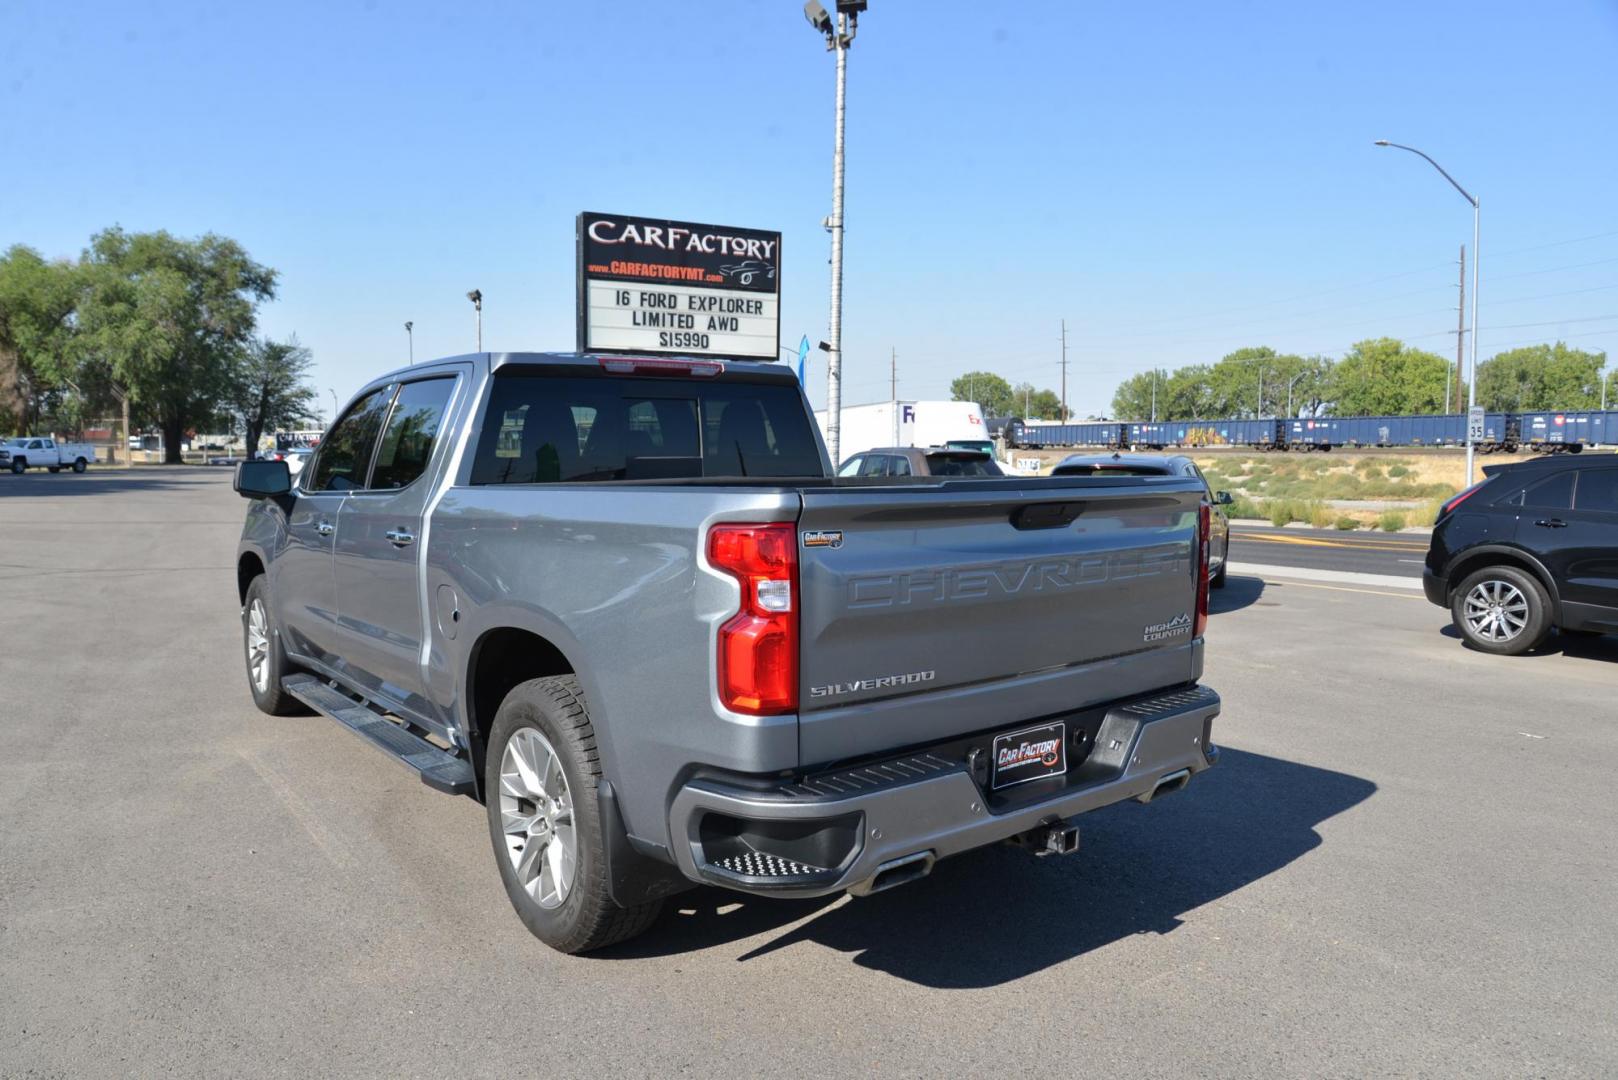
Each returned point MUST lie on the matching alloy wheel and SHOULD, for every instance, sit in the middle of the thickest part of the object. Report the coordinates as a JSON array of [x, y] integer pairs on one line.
[[1496, 610], [258, 646], [536, 815]]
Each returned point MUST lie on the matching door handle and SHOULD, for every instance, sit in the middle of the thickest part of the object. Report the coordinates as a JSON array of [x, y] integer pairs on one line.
[[324, 527], [399, 537], [1551, 523]]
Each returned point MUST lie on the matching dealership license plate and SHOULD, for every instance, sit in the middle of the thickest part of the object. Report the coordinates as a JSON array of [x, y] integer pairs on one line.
[[1029, 754]]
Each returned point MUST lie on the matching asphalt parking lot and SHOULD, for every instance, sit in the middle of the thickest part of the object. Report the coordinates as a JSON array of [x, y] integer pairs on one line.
[[1406, 863]]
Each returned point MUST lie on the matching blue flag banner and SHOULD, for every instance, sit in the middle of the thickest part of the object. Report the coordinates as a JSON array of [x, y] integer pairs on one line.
[[803, 355]]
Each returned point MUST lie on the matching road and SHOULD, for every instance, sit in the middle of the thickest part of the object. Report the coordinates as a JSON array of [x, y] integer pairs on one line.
[[1395, 554], [1403, 865]]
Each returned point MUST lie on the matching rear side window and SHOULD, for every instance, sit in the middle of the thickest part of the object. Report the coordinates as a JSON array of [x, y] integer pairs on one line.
[[542, 429], [1551, 493], [1598, 490], [345, 452], [407, 444], [898, 466]]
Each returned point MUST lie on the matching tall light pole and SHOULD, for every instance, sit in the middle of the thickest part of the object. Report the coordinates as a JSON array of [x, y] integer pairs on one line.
[[1477, 280], [409, 333], [839, 36], [476, 296], [333, 394]]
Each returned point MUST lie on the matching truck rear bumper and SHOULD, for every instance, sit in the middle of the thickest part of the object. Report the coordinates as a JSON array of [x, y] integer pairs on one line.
[[842, 829]]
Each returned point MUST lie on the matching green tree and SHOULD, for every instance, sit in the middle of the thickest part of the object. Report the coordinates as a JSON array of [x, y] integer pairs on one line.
[[269, 387], [170, 317], [1142, 395], [1047, 405], [38, 302], [1541, 377], [991, 392], [1384, 376]]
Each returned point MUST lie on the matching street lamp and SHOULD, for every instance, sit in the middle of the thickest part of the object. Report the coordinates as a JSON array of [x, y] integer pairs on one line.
[[1477, 278], [839, 36], [333, 394], [408, 328], [476, 296]]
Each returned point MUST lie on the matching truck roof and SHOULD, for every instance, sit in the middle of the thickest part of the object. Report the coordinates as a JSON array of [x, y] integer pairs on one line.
[[494, 361]]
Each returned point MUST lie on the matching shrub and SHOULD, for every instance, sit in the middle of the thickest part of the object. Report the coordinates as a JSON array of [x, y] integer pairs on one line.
[[1427, 514], [1280, 512], [1244, 507], [1319, 515], [1397, 471], [1345, 523], [1391, 521]]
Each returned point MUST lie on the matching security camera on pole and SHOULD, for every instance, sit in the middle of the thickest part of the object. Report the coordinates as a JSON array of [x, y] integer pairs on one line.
[[839, 36], [476, 296]]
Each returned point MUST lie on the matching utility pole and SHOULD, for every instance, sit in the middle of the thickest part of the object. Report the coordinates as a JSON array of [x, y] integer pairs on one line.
[[1154, 395], [1259, 415], [893, 390], [1063, 417], [1460, 339], [409, 333]]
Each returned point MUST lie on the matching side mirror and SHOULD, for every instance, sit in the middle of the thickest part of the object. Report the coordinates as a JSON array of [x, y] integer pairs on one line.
[[262, 479], [1223, 498]]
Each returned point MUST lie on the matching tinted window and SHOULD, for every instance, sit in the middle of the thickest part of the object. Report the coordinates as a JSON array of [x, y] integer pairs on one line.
[[345, 453], [898, 466], [874, 465], [1552, 493], [1108, 470], [960, 465], [407, 444], [1598, 490], [546, 429]]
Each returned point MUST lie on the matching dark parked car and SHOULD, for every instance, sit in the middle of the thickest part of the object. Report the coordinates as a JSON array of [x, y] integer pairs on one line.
[[1531, 547], [1161, 465], [920, 461]]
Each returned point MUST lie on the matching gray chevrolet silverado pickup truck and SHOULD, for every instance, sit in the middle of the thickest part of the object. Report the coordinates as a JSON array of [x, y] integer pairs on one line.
[[623, 603]]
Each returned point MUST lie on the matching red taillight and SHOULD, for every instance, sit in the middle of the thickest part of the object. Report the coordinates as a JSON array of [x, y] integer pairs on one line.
[[1204, 544], [758, 648], [1461, 498]]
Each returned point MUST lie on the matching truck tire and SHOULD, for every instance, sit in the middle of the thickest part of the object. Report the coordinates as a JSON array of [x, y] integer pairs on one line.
[[19, 466], [541, 774], [79, 465], [1218, 580], [266, 663], [1501, 610]]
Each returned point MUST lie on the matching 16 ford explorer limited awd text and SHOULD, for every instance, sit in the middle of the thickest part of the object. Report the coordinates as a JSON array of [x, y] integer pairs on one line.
[[624, 603]]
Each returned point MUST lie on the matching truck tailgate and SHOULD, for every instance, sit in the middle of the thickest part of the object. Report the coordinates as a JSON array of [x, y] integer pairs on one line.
[[937, 610]]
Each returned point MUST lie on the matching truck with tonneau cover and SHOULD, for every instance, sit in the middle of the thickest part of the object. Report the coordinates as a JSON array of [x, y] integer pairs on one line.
[[624, 603]]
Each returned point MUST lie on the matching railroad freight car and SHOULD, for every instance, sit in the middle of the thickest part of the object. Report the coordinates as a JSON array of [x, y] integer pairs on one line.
[[1259, 434], [1568, 431]]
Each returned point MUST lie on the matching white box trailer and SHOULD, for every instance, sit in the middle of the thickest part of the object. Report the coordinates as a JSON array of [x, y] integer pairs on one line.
[[907, 423]]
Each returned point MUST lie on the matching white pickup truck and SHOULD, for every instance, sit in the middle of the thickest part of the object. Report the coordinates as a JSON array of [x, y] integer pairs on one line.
[[43, 452]]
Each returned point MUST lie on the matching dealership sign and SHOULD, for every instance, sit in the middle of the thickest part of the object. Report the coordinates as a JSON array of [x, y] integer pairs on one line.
[[674, 287]]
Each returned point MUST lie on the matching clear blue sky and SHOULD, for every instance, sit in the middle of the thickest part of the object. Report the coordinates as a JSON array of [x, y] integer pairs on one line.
[[1175, 180]]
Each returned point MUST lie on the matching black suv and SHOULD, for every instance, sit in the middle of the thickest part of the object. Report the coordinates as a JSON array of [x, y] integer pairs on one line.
[[1534, 545]]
